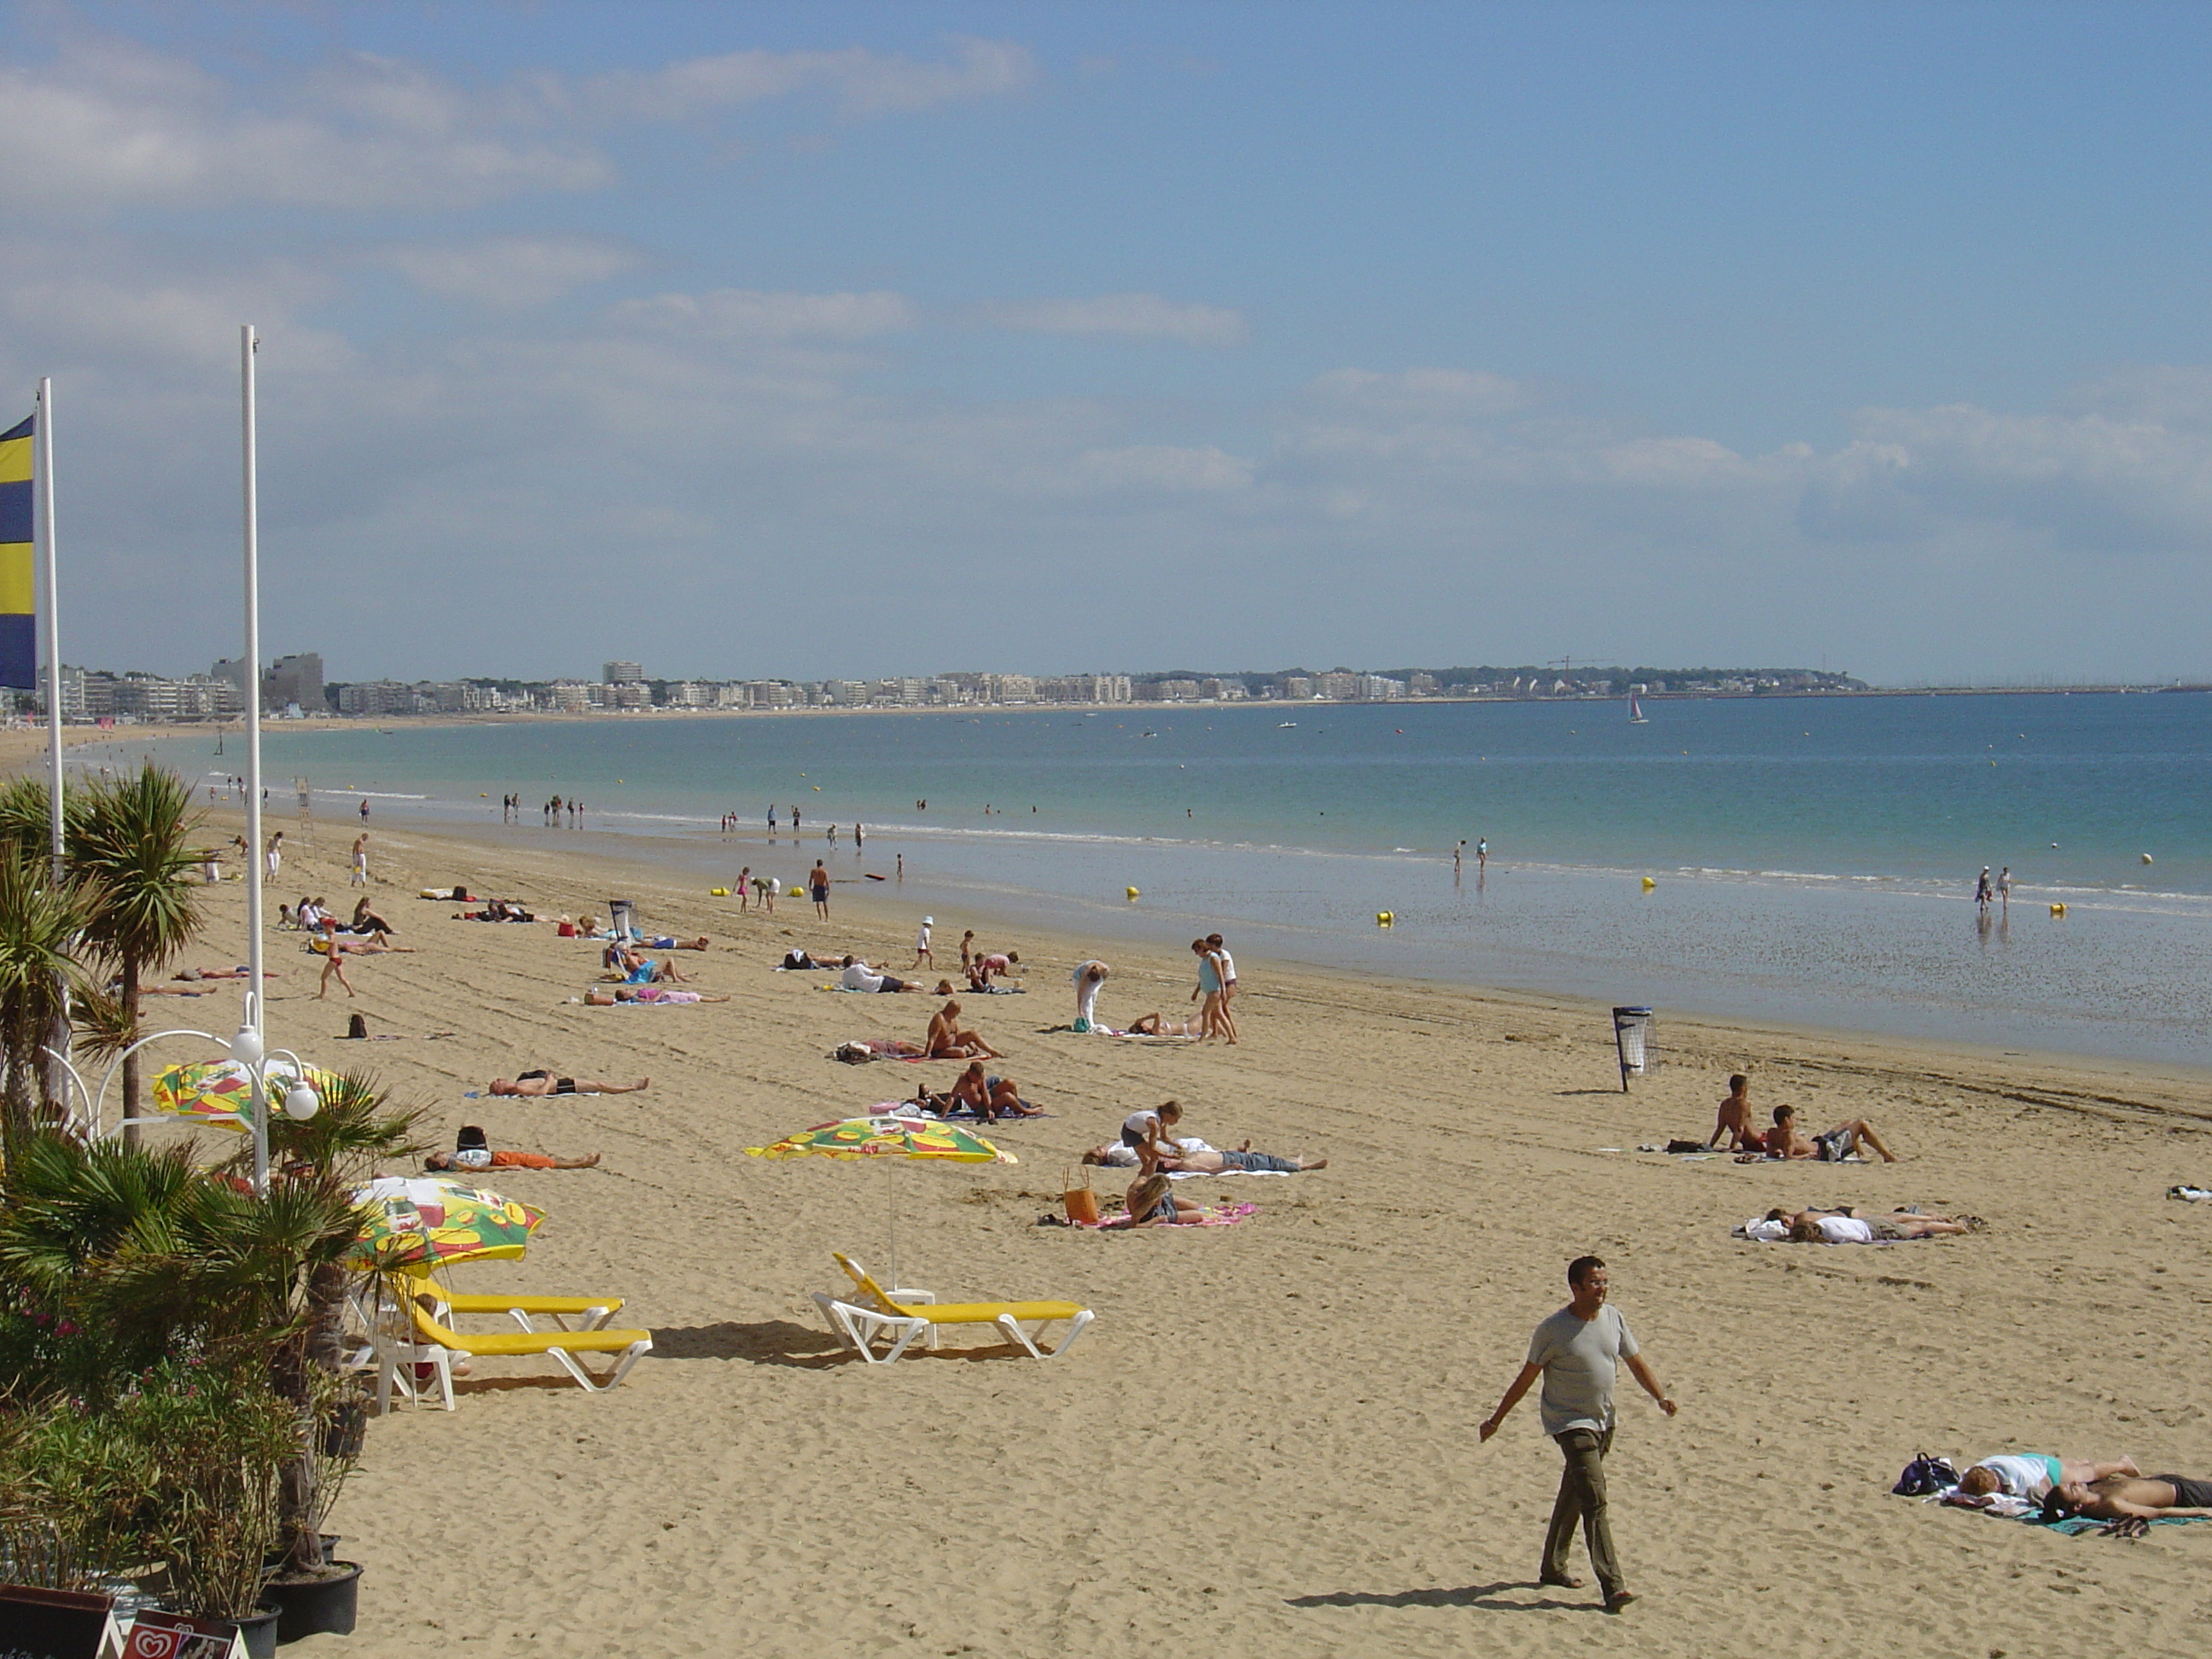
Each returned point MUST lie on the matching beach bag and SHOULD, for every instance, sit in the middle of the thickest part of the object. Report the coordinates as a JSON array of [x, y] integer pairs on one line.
[[1081, 1203], [358, 1027], [1925, 1476]]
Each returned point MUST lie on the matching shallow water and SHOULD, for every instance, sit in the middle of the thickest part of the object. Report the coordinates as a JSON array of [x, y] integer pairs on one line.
[[1813, 859]]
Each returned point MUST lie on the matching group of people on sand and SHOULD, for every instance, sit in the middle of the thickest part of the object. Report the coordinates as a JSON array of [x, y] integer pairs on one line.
[[1215, 992], [2113, 1489], [1783, 1139], [1148, 1144]]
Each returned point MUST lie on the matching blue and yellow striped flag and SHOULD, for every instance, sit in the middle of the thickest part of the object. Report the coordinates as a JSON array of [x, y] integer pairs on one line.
[[19, 632]]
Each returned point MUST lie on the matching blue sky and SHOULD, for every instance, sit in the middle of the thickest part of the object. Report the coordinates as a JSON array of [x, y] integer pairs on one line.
[[860, 339]]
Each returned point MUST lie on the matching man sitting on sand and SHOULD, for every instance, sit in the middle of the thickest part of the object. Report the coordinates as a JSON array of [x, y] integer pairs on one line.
[[1735, 1123], [1839, 1227], [990, 1098], [2032, 1475], [1782, 1140], [531, 1085], [2131, 1501], [947, 1040]]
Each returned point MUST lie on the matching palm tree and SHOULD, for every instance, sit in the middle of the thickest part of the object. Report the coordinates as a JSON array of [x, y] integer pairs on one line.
[[39, 972], [130, 840]]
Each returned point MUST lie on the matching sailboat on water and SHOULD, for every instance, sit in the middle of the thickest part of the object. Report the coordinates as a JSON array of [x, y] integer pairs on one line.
[[1636, 708]]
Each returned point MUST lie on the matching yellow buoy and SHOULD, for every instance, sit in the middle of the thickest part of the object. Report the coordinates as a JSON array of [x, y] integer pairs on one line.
[[718, 892], [2057, 910], [1132, 892], [1385, 918], [2146, 858], [818, 788], [1648, 883]]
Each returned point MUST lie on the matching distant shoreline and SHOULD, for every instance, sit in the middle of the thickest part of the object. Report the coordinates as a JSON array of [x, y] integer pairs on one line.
[[18, 743]]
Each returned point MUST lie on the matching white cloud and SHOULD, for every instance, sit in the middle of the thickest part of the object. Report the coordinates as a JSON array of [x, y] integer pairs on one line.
[[1164, 469], [510, 272], [732, 314], [110, 123], [1138, 316], [863, 82], [2093, 481], [1423, 393]]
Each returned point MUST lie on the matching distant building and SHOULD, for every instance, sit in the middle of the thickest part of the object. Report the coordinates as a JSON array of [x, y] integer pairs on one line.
[[240, 674], [623, 673], [296, 679]]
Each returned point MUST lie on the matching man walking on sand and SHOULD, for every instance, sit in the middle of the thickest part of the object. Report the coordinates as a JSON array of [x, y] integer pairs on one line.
[[1577, 1352], [817, 882]]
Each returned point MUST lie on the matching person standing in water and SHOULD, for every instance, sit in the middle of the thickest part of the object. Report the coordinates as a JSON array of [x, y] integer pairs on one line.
[[2004, 890], [1481, 854]]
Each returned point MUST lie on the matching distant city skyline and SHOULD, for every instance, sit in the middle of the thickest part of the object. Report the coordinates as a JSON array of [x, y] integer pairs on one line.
[[806, 338]]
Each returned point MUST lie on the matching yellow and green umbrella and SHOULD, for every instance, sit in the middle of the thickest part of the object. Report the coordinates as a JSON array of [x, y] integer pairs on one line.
[[411, 1221], [221, 1090], [889, 1138]]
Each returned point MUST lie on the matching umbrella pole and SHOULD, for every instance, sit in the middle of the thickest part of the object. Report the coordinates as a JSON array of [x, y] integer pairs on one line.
[[890, 1204]]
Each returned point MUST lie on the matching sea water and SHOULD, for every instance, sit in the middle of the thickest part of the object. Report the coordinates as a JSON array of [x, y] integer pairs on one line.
[[1812, 859]]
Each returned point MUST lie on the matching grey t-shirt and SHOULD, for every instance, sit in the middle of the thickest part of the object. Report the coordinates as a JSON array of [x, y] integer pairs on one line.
[[1580, 1357]]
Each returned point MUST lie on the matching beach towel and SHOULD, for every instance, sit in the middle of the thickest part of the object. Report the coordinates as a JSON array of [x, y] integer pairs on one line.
[[1217, 1215]]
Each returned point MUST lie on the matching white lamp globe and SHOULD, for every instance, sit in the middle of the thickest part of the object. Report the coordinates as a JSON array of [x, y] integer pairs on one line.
[[301, 1101], [245, 1047]]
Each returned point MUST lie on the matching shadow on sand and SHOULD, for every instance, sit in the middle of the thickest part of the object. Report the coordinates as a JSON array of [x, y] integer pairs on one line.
[[1487, 1596]]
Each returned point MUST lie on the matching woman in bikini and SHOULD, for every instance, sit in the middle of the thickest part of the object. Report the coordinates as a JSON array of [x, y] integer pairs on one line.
[[537, 1082]]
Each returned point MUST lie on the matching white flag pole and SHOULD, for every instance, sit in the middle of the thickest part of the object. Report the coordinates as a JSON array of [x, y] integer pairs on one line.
[[248, 1045], [43, 465]]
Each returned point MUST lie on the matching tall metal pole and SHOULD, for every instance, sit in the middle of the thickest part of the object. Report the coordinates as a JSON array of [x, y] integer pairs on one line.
[[44, 466], [248, 1046]]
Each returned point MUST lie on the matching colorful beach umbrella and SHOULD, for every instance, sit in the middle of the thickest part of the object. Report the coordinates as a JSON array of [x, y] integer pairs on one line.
[[422, 1220], [887, 1137], [222, 1091], [891, 1138]]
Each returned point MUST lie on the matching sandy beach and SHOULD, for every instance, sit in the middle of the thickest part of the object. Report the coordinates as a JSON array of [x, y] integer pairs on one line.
[[1269, 1435]]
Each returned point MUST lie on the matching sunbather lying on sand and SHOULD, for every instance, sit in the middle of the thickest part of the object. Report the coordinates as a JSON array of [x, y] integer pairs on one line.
[[1197, 1159], [859, 976], [990, 1098], [606, 996], [508, 1161], [948, 1041], [533, 1084], [221, 973], [1158, 1025], [2124, 1498], [328, 941], [1837, 1227], [2033, 1474], [1782, 1140]]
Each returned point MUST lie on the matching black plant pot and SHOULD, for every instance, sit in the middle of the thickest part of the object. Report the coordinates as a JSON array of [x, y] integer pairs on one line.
[[260, 1632], [315, 1606]]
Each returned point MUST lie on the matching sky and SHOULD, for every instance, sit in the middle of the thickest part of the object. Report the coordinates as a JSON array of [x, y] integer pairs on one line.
[[752, 341]]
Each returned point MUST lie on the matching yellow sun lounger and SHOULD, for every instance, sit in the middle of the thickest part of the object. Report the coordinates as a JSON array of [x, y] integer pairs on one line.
[[903, 1314], [396, 1360], [593, 1310], [562, 1345]]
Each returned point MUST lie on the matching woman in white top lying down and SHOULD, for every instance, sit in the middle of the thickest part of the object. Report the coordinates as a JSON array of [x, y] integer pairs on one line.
[[1834, 1227]]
